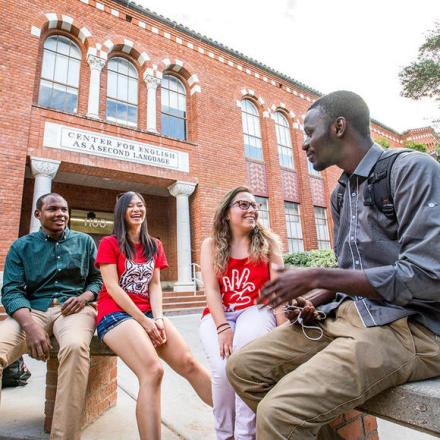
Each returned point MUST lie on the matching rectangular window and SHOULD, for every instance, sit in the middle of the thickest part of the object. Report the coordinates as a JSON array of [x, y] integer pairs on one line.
[[263, 211], [294, 230], [322, 228]]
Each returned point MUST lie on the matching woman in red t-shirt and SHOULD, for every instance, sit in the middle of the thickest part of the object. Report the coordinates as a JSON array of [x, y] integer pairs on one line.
[[130, 317], [236, 263]]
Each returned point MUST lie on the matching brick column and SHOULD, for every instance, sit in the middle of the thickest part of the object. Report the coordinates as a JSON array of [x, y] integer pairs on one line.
[[356, 425], [101, 389]]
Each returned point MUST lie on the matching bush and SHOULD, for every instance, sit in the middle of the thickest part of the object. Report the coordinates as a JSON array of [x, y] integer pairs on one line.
[[316, 258], [416, 146]]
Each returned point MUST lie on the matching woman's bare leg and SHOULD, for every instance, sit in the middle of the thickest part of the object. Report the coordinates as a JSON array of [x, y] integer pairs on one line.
[[176, 353], [131, 343]]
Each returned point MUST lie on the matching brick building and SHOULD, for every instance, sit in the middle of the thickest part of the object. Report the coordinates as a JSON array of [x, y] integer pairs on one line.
[[103, 97], [424, 135]]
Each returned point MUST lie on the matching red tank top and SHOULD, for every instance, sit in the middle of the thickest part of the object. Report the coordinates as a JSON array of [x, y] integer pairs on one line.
[[241, 283]]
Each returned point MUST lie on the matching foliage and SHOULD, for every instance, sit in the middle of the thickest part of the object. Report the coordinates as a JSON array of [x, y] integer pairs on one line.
[[316, 258], [422, 77], [384, 143], [437, 150], [416, 146]]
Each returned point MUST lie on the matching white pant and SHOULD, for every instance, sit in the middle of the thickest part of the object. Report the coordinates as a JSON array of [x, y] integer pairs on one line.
[[233, 418]]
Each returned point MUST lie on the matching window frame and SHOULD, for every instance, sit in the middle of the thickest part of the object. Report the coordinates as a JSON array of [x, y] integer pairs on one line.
[[56, 84], [287, 134], [117, 100], [323, 242], [263, 214], [254, 121], [170, 115], [290, 238]]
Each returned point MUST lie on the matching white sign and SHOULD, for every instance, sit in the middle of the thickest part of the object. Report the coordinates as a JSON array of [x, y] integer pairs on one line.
[[98, 144]]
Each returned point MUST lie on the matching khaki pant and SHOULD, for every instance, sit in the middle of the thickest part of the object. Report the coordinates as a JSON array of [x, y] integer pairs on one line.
[[73, 333], [296, 385]]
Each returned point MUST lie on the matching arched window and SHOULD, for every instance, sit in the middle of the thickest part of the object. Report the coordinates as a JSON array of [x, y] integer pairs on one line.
[[251, 130], [283, 140], [173, 103], [60, 74], [122, 92]]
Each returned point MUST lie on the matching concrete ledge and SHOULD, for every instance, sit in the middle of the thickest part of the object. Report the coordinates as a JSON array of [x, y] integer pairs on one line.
[[97, 348], [414, 405]]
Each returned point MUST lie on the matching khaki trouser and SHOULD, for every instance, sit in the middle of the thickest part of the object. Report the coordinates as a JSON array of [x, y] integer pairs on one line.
[[73, 333], [296, 385]]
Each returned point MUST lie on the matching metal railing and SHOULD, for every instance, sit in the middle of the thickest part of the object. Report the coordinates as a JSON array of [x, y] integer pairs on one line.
[[195, 270]]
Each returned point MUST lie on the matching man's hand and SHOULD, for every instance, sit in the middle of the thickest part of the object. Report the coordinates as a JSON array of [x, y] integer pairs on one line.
[[290, 284], [304, 308], [38, 342], [76, 303]]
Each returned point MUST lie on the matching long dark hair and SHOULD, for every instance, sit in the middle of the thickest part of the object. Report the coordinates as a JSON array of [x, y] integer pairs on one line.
[[120, 229]]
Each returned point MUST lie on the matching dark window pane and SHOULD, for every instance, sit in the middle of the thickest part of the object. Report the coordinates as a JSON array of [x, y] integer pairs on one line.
[[121, 112], [58, 97], [111, 109], [45, 92], [71, 101], [132, 114]]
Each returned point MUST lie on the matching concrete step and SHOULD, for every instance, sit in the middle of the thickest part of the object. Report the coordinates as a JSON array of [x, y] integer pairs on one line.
[[179, 311], [180, 299], [167, 294], [184, 305]]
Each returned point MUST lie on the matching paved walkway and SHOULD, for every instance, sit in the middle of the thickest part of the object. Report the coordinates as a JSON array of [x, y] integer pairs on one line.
[[184, 416]]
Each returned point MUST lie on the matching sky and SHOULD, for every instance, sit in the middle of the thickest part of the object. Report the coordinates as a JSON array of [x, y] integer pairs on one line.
[[328, 45]]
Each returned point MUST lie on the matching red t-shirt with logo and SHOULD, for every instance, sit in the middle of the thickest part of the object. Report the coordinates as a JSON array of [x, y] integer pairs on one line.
[[134, 275], [241, 283]]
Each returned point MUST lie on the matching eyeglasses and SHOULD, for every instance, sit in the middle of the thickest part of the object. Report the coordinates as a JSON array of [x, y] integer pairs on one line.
[[244, 205]]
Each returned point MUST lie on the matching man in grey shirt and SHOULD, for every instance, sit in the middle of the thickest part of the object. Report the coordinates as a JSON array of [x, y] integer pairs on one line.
[[382, 302]]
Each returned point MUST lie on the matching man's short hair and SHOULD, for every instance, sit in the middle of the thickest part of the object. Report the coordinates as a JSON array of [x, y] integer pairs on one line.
[[42, 198], [348, 105]]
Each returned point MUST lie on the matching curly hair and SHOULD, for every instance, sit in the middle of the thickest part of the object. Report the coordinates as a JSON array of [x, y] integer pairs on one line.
[[263, 242]]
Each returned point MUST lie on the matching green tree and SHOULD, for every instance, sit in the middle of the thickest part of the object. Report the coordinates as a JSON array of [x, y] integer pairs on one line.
[[416, 146], [422, 77], [384, 143]]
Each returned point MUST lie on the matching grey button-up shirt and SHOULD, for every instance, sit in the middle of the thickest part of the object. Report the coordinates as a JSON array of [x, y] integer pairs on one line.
[[405, 270]]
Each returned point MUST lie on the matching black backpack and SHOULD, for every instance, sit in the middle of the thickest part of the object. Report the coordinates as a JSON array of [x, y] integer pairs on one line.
[[16, 374], [378, 189]]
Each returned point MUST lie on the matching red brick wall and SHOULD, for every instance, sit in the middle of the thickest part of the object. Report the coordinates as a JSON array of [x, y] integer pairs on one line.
[[215, 144], [355, 425], [101, 389]]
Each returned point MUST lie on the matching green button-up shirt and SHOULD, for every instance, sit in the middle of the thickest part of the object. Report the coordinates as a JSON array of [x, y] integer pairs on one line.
[[39, 269]]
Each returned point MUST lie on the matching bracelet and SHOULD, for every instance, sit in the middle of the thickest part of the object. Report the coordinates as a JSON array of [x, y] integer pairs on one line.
[[227, 328], [159, 317], [221, 325]]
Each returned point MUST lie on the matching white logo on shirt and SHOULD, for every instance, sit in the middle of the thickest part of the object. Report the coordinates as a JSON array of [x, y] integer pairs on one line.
[[241, 287]]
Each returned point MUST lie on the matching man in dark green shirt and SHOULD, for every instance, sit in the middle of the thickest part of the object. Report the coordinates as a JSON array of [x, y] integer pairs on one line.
[[48, 283]]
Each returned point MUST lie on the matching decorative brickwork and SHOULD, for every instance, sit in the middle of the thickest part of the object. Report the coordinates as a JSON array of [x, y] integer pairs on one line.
[[257, 178], [318, 191], [290, 186]]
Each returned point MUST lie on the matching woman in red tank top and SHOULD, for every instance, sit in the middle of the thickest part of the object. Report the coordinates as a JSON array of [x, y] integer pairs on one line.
[[236, 263]]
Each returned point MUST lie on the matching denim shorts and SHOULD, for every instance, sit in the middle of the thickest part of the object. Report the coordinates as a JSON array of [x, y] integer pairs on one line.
[[112, 320]]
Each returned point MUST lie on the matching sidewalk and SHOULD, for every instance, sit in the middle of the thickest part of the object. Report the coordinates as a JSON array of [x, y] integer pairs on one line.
[[184, 416]]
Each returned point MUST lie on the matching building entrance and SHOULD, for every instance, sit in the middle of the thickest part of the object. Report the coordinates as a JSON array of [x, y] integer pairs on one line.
[[95, 223]]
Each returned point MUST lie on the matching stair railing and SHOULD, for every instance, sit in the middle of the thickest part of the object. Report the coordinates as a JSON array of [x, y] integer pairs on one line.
[[196, 281]]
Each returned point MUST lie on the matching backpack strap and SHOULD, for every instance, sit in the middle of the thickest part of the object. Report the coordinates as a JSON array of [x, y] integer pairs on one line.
[[340, 192], [378, 190]]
